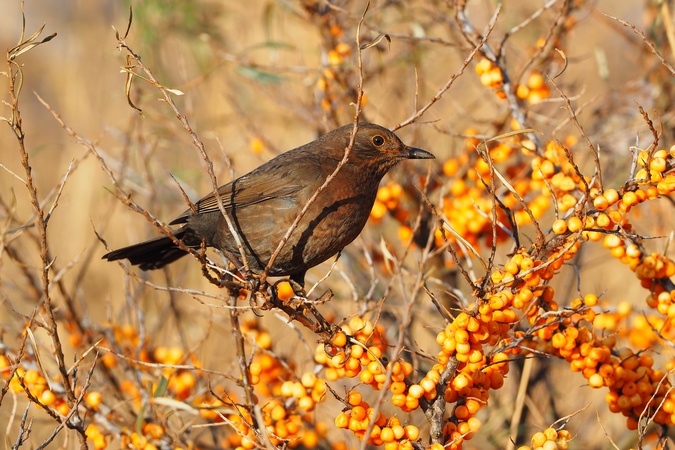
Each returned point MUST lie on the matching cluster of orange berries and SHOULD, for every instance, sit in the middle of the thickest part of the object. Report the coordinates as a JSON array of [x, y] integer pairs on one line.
[[39, 388], [535, 89], [635, 387], [126, 339], [181, 382], [652, 177], [491, 75], [282, 427], [663, 302], [285, 411], [654, 166], [649, 270], [388, 200], [468, 206], [352, 359], [463, 341], [149, 438], [553, 173], [337, 55], [35, 383], [643, 330], [326, 85], [361, 356], [387, 432], [549, 439], [96, 436], [524, 279]]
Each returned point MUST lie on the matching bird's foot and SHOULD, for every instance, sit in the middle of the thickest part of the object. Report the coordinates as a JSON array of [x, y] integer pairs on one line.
[[253, 293]]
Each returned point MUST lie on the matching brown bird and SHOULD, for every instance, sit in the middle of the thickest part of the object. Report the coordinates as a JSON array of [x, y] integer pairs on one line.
[[264, 203]]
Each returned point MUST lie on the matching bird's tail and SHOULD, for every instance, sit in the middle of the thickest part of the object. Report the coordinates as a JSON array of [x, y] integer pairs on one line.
[[152, 254]]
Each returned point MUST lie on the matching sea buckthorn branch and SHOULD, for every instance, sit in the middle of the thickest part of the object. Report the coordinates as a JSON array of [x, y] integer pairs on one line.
[[244, 368], [26, 375], [647, 42], [436, 412], [447, 243], [490, 188], [476, 48], [404, 321], [490, 66], [555, 30], [15, 79], [547, 43], [558, 250], [573, 116]]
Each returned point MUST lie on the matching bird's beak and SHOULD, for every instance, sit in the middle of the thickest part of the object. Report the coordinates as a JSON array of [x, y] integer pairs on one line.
[[417, 153]]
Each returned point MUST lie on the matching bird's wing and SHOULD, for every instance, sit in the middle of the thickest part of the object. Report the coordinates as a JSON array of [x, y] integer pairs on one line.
[[242, 196]]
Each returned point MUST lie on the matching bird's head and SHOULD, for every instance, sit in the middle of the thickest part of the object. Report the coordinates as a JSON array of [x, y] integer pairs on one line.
[[375, 147]]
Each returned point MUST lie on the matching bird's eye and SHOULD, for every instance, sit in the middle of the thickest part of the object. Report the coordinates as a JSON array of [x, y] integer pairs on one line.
[[378, 140]]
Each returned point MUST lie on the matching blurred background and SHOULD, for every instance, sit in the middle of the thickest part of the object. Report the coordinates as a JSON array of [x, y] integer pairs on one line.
[[261, 77]]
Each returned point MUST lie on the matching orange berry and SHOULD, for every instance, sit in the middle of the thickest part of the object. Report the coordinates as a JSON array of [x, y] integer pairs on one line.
[[398, 400], [387, 434], [339, 339], [535, 81], [47, 398], [428, 385], [596, 381], [611, 195], [460, 381], [358, 412], [375, 368], [451, 167], [416, 391], [629, 198], [411, 403], [342, 420], [412, 432], [511, 267], [93, 399], [559, 226], [601, 203], [603, 221], [474, 424], [574, 224], [472, 405], [354, 398], [405, 233], [308, 379], [397, 387], [658, 164], [285, 291], [611, 241], [591, 300], [538, 439], [461, 412], [483, 66], [461, 336], [365, 376], [264, 340], [522, 91], [378, 211]]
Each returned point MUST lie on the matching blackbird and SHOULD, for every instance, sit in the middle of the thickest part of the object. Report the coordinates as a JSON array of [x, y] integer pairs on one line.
[[264, 203]]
